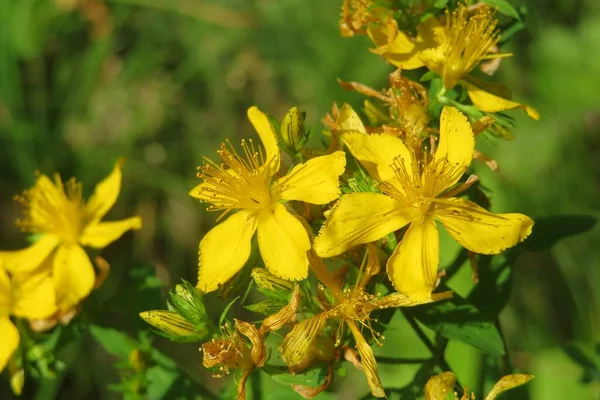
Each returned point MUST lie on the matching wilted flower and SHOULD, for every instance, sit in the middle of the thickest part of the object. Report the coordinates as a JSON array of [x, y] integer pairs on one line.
[[352, 308], [246, 183], [417, 193]]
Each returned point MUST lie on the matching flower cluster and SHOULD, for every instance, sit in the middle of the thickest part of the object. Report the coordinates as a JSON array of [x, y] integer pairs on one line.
[[326, 219]]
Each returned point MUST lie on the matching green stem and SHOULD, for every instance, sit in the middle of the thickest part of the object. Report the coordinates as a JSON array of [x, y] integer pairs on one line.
[[255, 378], [402, 360]]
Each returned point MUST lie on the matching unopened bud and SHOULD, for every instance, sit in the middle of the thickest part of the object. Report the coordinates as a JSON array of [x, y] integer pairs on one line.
[[173, 325], [187, 301], [293, 133]]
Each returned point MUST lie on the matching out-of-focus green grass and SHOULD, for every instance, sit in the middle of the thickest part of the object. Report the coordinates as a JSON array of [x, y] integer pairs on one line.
[[168, 80]]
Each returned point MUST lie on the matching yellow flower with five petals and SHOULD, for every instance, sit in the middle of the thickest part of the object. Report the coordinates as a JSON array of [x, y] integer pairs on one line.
[[248, 183], [56, 211], [417, 193]]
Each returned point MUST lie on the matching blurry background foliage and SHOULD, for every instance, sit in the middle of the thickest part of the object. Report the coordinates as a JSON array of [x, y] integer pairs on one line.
[[162, 82]]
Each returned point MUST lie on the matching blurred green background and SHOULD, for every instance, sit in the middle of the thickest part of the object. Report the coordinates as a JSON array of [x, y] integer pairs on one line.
[[162, 82]]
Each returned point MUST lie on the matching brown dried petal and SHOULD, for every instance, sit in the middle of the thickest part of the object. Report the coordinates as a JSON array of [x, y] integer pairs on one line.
[[258, 352], [438, 386], [279, 319]]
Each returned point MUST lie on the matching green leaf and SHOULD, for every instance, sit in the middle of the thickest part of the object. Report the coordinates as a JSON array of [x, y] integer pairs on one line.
[[225, 311], [266, 307], [549, 230], [160, 380], [504, 7], [460, 320], [313, 376], [116, 343]]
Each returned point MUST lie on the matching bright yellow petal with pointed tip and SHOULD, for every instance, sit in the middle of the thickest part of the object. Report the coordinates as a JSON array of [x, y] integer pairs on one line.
[[73, 276], [489, 102], [413, 266], [315, 182], [225, 249], [34, 295], [105, 194], [348, 120], [30, 258], [401, 51], [455, 149], [10, 340], [508, 382], [439, 386], [377, 152], [359, 218], [101, 234], [268, 136], [283, 243], [479, 230]]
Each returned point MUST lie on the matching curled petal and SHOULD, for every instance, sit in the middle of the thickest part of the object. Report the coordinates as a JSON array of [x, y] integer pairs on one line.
[[225, 249], [73, 276], [413, 266], [489, 102], [101, 234], [309, 392], [367, 358], [283, 243], [508, 382], [298, 344], [359, 218], [479, 230], [105, 194], [258, 352], [316, 181], [279, 319], [438, 386], [268, 136]]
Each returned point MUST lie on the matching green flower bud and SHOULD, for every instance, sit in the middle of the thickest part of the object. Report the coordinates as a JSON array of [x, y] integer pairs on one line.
[[293, 133], [174, 327], [187, 301]]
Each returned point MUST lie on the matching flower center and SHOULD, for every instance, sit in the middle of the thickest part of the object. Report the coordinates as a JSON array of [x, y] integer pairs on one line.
[[55, 208], [467, 41], [242, 181]]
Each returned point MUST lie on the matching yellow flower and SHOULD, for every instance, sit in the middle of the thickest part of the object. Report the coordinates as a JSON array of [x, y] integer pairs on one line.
[[22, 295], [418, 193], [57, 213], [451, 46], [247, 183], [439, 386], [352, 307]]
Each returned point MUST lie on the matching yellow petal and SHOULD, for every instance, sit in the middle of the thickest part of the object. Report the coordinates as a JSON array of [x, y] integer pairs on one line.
[[377, 152], [489, 102], [367, 359], [479, 230], [434, 59], [508, 382], [439, 386], [268, 136], [413, 266], [5, 293], [73, 276], [10, 340], [348, 120], [316, 181], [399, 50], [455, 150], [225, 249], [30, 258], [359, 218], [101, 234], [34, 295], [105, 194], [283, 243]]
